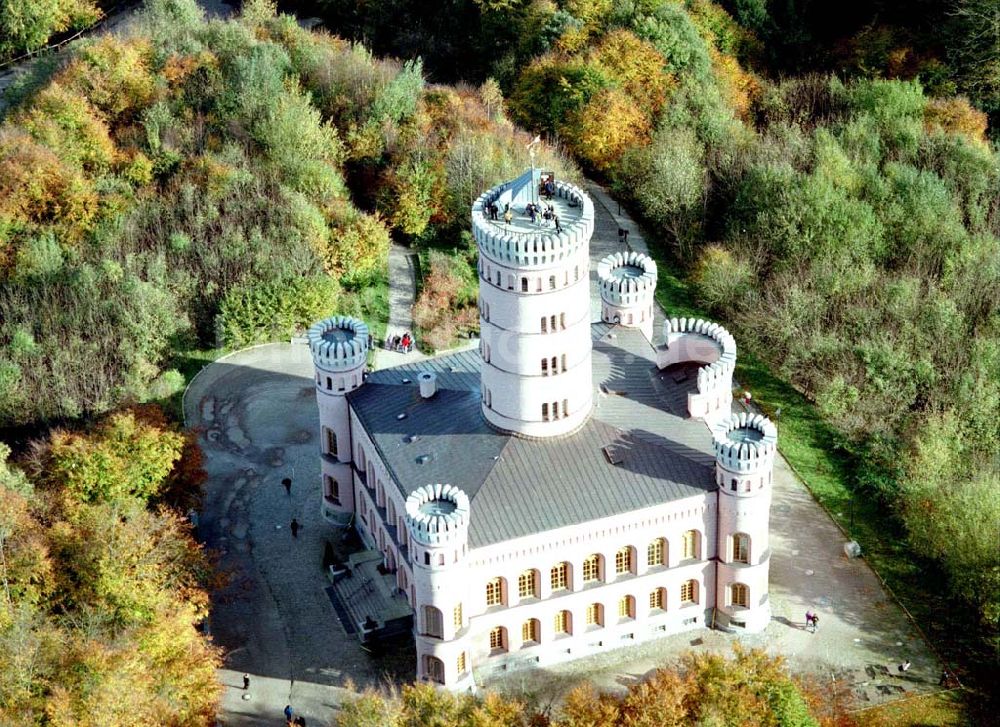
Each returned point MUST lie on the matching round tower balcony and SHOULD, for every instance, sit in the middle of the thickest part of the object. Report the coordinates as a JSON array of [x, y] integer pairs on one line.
[[338, 343]]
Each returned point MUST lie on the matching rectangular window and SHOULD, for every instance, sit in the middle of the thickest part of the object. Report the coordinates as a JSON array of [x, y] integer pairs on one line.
[[562, 622], [461, 663], [741, 595], [656, 599], [741, 551], [545, 326], [545, 367], [432, 622], [565, 407], [594, 614], [690, 544], [457, 617], [688, 591], [529, 631], [625, 607], [654, 553], [562, 321], [494, 592], [545, 412], [526, 585], [331, 442], [559, 576], [332, 490], [623, 561], [496, 638]]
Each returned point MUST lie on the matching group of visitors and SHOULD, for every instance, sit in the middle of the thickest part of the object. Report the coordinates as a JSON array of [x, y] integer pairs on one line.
[[543, 214], [402, 344], [493, 209]]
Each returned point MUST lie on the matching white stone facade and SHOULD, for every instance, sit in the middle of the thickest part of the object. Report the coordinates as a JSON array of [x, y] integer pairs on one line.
[[534, 293], [560, 593]]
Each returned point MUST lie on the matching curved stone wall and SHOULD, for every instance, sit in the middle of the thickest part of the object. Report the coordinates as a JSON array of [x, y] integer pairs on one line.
[[698, 340]]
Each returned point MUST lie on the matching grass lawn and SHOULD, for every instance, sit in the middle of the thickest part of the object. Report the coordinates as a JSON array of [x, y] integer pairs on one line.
[[945, 709]]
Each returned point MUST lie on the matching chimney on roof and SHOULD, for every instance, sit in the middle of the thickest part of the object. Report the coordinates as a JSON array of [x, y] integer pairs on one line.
[[428, 384]]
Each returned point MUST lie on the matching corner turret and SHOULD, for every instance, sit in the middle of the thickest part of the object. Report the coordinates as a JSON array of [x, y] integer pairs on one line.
[[628, 283], [339, 347]]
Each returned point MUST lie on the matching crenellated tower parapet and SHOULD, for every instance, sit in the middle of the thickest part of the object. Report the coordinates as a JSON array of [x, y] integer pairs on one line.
[[437, 516], [529, 249], [437, 524], [698, 340], [745, 447], [339, 347], [745, 443], [338, 343], [628, 284]]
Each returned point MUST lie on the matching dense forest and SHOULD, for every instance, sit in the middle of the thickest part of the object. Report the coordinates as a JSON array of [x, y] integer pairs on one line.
[[826, 183]]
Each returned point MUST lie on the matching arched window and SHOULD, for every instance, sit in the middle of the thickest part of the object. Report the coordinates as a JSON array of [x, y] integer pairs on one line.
[[689, 591], [559, 576], [331, 441], [331, 490], [741, 548], [626, 607], [527, 584], [524, 285], [595, 615], [498, 279], [691, 545], [495, 592], [329, 383], [563, 623], [740, 595], [658, 599], [592, 568], [545, 367], [545, 411], [498, 640], [545, 326], [434, 668], [625, 560], [552, 320], [552, 282], [553, 366], [656, 552], [433, 622], [530, 632]]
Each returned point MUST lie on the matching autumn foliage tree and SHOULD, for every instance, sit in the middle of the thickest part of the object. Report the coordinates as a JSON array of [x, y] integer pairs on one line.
[[102, 589]]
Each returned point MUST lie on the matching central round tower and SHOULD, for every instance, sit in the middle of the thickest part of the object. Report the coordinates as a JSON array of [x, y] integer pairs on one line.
[[534, 306]]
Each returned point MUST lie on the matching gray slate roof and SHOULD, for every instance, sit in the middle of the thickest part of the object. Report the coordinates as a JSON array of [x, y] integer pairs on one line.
[[638, 417]]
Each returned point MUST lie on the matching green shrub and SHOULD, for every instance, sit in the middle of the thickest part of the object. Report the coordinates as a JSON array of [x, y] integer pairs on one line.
[[258, 312]]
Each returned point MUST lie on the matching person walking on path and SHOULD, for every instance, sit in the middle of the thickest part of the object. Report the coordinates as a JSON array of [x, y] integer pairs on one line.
[[904, 667], [295, 528], [287, 482], [288, 713], [507, 217], [809, 619], [246, 682]]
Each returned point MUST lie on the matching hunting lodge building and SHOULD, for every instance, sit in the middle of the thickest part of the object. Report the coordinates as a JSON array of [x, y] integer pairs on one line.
[[573, 486]]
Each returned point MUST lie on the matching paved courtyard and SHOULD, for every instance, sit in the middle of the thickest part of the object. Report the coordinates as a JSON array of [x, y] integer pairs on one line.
[[257, 416]]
